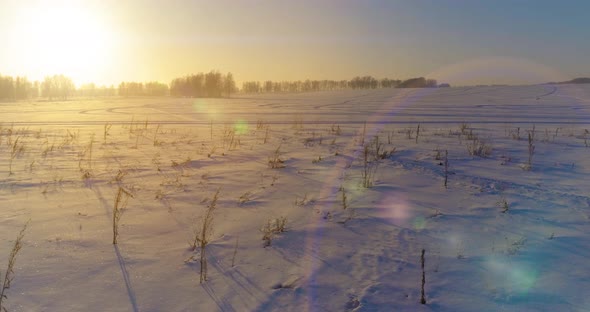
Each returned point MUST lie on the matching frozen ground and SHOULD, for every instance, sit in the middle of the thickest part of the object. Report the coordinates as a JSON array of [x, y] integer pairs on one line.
[[500, 237]]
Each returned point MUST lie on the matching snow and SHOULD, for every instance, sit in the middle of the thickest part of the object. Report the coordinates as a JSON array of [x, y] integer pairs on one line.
[[174, 154]]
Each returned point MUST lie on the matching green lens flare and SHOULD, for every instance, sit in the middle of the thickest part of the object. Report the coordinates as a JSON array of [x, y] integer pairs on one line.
[[419, 223], [523, 279], [200, 106], [241, 127]]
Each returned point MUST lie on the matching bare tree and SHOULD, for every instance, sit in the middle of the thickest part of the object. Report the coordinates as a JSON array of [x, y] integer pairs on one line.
[[229, 85]]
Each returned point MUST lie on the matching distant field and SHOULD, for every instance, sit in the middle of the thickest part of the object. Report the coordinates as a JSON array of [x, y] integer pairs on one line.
[[528, 104]]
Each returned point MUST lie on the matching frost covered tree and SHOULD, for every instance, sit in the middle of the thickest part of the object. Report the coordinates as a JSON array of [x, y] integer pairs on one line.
[[57, 86], [229, 85]]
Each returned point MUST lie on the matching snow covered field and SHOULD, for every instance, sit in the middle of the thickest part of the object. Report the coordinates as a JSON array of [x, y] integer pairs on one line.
[[504, 235]]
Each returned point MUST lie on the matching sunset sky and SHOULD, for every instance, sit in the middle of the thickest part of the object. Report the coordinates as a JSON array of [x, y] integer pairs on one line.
[[462, 42]]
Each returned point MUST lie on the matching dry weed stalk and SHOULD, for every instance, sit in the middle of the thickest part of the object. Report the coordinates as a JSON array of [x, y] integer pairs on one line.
[[344, 199], [479, 148], [211, 129], [202, 235], [335, 129], [244, 198], [119, 177], [503, 203], [531, 150], [301, 201], [364, 133], [15, 150], [107, 127], [275, 161], [271, 228], [463, 127], [9, 274], [233, 258], [266, 134], [390, 135], [156, 142], [87, 153], [422, 293], [369, 169], [446, 167], [120, 204]]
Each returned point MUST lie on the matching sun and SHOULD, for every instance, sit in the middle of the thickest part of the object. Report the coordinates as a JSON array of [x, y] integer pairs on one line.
[[67, 38]]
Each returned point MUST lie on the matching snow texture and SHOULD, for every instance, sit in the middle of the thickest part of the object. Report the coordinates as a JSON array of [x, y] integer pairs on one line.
[[504, 235]]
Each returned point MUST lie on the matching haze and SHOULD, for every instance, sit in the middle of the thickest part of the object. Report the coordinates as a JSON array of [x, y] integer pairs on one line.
[[460, 42], [294, 155]]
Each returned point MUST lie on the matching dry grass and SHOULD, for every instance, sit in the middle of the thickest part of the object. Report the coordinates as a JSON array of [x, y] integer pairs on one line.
[[16, 149], [202, 234], [119, 207], [272, 228], [446, 164], [503, 204], [107, 128], [9, 273], [531, 148], [479, 148], [369, 168], [275, 161]]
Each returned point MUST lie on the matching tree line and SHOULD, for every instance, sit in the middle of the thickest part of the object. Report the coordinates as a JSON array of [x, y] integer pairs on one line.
[[20, 88], [61, 87], [92, 90], [211, 84], [152, 88], [17, 88], [57, 87], [364, 82]]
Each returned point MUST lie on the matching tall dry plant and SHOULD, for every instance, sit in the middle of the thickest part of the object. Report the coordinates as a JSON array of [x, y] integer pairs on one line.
[[422, 292], [107, 127], [120, 204], [15, 150], [531, 140], [275, 161], [202, 236], [369, 168], [9, 274], [446, 168]]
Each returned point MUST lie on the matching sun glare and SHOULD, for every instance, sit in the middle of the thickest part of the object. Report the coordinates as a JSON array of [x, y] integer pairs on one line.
[[65, 39]]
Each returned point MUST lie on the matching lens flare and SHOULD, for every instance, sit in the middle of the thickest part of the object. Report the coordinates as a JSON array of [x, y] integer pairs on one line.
[[511, 277], [201, 106], [395, 209], [419, 223], [353, 193], [241, 127]]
